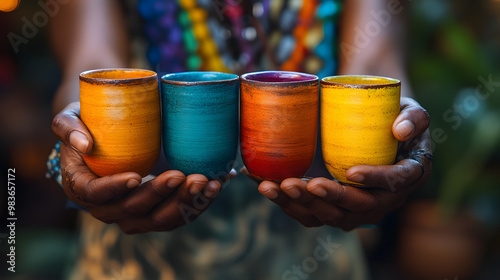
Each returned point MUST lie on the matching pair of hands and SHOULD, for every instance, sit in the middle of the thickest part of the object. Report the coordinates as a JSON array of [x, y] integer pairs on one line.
[[173, 199]]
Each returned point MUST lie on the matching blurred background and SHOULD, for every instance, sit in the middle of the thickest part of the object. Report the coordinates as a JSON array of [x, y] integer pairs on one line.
[[451, 226]]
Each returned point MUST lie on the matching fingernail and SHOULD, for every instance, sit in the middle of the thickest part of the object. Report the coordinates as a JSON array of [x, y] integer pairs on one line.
[[271, 194], [318, 191], [196, 187], [132, 183], [405, 128], [356, 177], [211, 189], [293, 192], [174, 182], [208, 193], [79, 141]]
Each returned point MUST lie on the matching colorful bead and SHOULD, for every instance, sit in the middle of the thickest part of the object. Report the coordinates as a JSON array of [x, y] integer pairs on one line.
[[200, 31], [328, 10], [193, 62], [299, 35], [197, 15], [190, 43], [187, 4]]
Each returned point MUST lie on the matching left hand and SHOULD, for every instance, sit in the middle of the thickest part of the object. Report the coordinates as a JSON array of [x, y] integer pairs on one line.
[[325, 202]]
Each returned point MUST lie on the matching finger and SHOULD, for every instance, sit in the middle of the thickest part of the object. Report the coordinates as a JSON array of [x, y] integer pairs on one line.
[[272, 191], [176, 212], [190, 191], [394, 178], [212, 189], [305, 202], [142, 199], [327, 213], [68, 127], [83, 186], [295, 210], [363, 206], [347, 197], [179, 209], [168, 216], [244, 170], [193, 185], [296, 189], [420, 142], [412, 120]]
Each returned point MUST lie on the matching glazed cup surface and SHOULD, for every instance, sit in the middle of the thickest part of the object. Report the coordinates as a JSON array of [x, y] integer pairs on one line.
[[279, 115], [200, 122], [357, 113], [121, 109]]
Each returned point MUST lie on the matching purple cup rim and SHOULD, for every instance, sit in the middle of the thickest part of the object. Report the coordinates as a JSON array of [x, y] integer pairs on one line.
[[306, 78]]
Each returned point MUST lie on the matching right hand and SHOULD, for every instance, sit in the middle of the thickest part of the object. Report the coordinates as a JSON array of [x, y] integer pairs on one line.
[[161, 204]]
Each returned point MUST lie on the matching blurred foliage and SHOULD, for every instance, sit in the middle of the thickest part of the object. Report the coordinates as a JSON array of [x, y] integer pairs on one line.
[[452, 45]]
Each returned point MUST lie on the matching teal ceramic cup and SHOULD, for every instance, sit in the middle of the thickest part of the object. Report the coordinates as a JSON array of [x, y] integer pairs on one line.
[[200, 122]]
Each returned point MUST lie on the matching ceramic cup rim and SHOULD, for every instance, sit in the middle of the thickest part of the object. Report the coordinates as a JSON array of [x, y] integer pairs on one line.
[[150, 76], [311, 78], [390, 82], [228, 78]]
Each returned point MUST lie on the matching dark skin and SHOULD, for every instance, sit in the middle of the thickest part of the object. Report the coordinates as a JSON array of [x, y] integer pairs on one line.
[[325, 202], [160, 204]]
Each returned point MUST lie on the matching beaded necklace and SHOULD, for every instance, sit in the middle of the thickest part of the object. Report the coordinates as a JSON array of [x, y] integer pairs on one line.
[[241, 36]]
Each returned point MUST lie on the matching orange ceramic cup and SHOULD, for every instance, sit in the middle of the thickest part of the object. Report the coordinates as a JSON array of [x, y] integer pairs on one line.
[[8, 5], [121, 109], [279, 116], [357, 113]]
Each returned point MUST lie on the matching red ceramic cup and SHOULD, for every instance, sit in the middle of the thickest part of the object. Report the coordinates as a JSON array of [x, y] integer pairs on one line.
[[279, 118]]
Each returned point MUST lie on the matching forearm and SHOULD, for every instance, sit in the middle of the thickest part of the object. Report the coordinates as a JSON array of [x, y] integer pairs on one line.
[[372, 39], [86, 34]]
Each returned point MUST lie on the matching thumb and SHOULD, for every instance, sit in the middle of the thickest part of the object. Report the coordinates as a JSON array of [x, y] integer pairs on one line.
[[70, 129], [412, 120]]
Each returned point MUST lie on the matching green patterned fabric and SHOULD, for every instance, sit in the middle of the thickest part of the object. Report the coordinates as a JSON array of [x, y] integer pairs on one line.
[[241, 236]]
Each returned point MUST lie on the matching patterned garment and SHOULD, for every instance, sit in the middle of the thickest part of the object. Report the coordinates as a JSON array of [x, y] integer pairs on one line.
[[240, 36], [242, 235]]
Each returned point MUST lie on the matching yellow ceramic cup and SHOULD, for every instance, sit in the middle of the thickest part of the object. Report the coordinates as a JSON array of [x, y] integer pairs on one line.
[[357, 113], [121, 109]]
